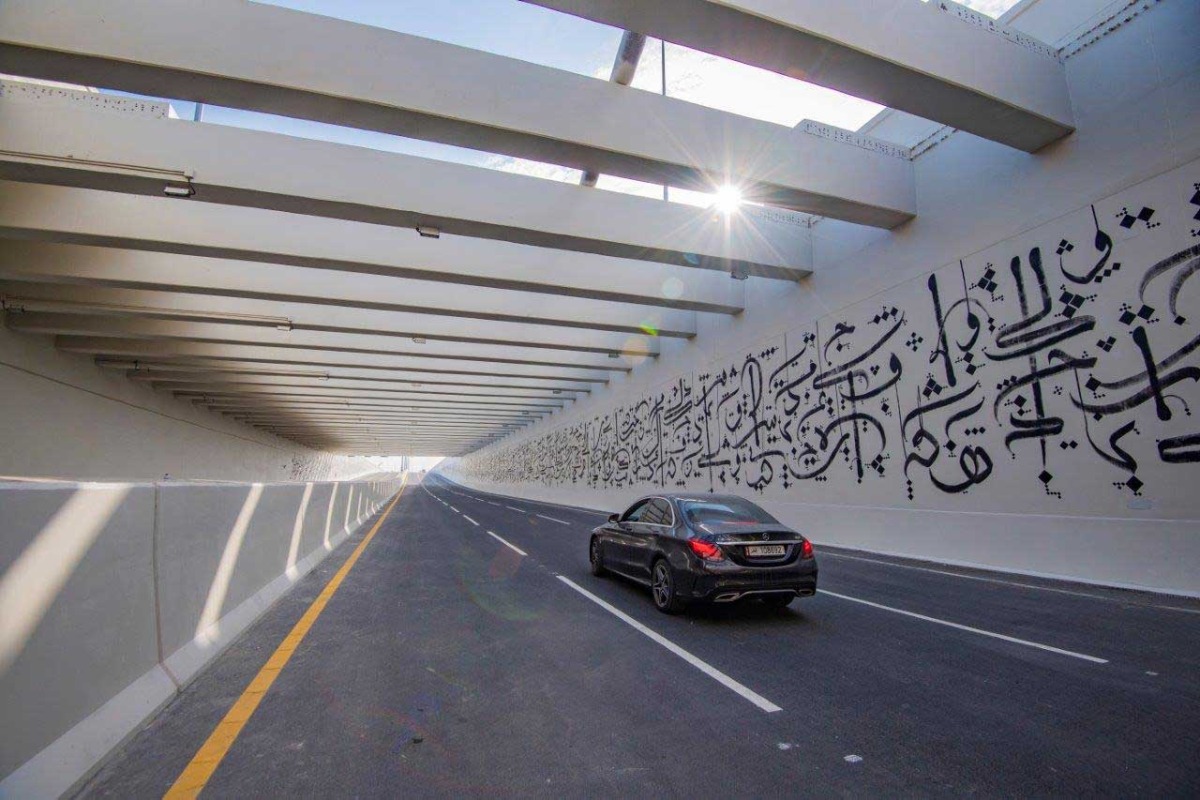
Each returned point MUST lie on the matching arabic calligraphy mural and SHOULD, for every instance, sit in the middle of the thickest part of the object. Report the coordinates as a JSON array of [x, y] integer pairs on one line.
[[1046, 367]]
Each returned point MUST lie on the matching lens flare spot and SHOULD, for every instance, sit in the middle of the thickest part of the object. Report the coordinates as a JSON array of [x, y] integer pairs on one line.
[[636, 349]]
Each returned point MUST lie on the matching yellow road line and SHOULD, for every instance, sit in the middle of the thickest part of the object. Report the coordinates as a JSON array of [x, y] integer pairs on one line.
[[195, 775]]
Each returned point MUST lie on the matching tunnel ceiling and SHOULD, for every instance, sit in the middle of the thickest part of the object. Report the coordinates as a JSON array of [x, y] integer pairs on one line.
[[349, 297]]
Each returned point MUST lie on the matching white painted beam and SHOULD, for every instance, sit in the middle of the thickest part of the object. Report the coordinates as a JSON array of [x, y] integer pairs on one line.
[[219, 393], [905, 54], [113, 268], [343, 376], [360, 76], [253, 169], [149, 327], [510, 415], [391, 383], [273, 241], [138, 304], [159, 378], [416, 356]]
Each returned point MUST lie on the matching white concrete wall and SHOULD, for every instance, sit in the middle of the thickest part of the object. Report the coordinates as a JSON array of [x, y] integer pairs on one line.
[[63, 417], [114, 596], [808, 401]]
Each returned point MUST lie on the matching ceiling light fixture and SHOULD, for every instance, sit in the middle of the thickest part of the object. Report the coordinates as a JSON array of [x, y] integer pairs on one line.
[[183, 191], [429, 232], [418, 340]]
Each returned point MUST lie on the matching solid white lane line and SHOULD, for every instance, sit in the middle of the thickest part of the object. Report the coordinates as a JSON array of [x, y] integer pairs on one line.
[[514, 508], [468, 519], [552, 519], [967, 628], [1005, 583], [709, 670], [508, 544]]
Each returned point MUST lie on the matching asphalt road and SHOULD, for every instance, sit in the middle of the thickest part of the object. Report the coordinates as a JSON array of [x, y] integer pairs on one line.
[[448, 664]]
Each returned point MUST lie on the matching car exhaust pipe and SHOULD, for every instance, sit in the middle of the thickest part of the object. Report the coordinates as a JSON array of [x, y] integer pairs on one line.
[[728, 597], [806, 592]]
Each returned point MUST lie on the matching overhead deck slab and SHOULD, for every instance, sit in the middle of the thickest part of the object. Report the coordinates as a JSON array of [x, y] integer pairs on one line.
[[970, 73], [360, 76], [270, 239], [253, 169]]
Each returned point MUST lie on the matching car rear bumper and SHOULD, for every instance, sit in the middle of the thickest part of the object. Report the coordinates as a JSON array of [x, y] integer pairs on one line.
[[727, 588]]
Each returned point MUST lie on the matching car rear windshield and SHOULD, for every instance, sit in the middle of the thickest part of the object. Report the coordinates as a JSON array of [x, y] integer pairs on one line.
[[727, 511]]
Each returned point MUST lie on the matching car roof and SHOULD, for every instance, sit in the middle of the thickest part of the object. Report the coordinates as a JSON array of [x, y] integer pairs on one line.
[[699, 498]]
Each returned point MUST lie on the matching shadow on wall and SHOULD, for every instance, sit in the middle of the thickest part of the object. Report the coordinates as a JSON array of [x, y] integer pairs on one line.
[[116, 595]]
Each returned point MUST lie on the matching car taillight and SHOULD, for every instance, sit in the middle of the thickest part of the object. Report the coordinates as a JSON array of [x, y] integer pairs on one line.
[[806, 550], [706, 550]]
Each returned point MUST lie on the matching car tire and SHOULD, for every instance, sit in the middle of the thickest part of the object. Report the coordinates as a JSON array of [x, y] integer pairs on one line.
[[662, 588], [596, 558], [777, 600]]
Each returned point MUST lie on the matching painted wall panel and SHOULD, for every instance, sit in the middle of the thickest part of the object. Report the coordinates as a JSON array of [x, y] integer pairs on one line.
[[1053, 373]]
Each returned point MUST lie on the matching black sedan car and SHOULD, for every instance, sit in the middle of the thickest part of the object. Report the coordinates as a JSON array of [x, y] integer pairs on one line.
[[705, 548]]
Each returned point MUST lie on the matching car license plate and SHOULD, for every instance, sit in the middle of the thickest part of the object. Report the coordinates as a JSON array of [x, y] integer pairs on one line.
[[765, 550]]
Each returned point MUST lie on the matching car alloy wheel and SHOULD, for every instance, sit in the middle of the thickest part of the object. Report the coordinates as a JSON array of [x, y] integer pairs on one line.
[[662, 586]]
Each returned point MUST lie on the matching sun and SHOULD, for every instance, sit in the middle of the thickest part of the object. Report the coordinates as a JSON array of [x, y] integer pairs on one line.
[[727, 199]]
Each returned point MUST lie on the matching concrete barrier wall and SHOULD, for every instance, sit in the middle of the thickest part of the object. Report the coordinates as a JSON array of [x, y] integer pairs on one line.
[[114, 596]]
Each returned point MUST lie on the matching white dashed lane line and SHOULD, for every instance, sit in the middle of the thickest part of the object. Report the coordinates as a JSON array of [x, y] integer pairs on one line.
[[508, 544], [1017, 584], [455, 510], [552, 519], [967, 628], [468, 519], [709, 670], [514, 508]]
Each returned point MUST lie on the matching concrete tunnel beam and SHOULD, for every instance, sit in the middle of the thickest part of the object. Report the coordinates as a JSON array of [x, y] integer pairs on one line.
[[908, 55], [483, 388], [528, 409], [253, 169], [246, 368], [344, 386], [365, 416], [165, 306], [271, 239], [150, 328], [161, 379], [267, 392], [44, 264], [482, 101], [340, 385], [429, 353]]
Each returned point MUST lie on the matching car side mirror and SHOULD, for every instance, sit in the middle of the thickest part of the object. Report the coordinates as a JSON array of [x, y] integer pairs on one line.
[[614, 518]]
